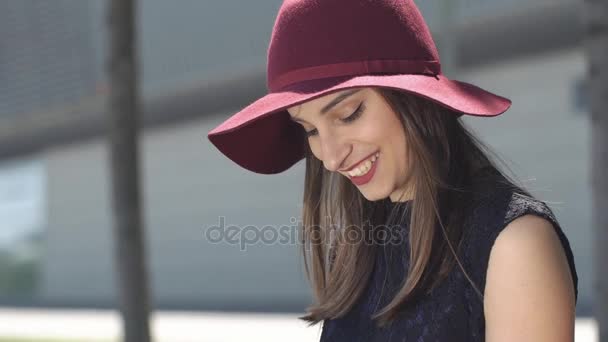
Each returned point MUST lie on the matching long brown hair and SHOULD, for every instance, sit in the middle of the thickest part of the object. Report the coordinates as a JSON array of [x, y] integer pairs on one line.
[[445, 159]]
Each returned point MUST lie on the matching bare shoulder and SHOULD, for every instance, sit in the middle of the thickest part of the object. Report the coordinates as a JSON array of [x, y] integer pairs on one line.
[[529, 293]]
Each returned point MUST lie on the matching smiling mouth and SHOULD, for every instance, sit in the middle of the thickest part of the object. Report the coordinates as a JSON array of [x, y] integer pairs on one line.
[[363, 167]]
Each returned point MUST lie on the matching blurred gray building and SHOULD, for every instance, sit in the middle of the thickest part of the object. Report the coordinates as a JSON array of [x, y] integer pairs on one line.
[[201, 62]]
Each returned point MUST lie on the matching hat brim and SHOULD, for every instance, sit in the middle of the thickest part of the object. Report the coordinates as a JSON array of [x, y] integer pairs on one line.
[[263, 139]]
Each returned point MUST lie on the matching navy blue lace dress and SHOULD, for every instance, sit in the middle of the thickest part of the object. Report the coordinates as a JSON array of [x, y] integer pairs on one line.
[[453, 311]]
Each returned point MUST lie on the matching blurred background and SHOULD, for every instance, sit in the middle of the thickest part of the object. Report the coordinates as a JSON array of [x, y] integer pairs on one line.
[[200, 62]]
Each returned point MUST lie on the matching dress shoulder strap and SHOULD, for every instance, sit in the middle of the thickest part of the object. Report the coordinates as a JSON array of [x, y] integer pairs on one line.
[[492, 212]]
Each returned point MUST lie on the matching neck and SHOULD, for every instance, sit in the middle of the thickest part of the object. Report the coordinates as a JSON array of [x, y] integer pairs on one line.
[[402, 195]]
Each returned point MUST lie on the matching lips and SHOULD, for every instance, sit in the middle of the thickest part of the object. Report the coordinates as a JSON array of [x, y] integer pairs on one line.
[[362, 167], [359, 162], [364, 171]]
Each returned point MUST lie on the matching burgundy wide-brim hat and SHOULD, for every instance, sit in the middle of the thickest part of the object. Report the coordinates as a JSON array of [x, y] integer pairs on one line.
[[321, 46]]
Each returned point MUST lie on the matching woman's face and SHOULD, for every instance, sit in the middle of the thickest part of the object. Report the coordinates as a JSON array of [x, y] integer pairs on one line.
[[356, 132]]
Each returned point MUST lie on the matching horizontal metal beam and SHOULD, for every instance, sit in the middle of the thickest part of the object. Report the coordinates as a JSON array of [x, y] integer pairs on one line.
[[522, 31], [525, 30]]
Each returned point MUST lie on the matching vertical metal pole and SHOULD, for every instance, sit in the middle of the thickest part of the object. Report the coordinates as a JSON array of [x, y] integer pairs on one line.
[[596, 45], [447, 44], [123, 111]]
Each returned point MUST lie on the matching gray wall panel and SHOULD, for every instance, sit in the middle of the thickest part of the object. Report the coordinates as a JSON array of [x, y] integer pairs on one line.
[[188, 185], [545, 136]]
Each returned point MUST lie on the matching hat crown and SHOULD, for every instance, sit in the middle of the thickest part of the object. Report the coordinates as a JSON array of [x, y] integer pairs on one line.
[[327, 38]]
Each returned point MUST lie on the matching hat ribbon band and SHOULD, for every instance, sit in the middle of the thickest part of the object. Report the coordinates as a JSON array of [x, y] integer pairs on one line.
[[383, 66]]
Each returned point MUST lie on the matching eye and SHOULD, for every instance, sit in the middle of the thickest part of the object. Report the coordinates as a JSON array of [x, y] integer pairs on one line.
[[355, 115], [311, 133]]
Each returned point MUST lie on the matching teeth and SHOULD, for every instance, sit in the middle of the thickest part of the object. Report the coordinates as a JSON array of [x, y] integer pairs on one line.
[[364, 168]]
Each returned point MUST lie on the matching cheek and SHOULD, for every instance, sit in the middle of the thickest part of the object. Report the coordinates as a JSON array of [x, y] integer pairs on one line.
[[394, 140], [370, 130], [383, 130], [400, 150], [403, 160], [315, 148]]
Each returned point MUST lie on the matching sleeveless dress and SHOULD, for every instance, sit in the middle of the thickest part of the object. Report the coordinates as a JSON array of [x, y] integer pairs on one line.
[[453, 311]]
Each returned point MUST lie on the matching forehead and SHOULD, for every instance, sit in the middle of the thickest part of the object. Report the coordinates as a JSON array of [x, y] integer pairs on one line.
[[320, 102]]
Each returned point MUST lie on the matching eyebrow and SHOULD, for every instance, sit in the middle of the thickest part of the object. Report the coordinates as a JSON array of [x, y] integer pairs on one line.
[[331, 104]]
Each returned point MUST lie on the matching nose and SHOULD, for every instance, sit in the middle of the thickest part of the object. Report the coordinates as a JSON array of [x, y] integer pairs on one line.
[[334, 152]]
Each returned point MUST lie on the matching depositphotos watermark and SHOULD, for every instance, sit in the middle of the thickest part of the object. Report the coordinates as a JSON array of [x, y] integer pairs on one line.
[[291, 234]]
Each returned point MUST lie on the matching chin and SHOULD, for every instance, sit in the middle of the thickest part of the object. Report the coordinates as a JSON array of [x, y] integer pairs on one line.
[[374, 194], [371, 198]]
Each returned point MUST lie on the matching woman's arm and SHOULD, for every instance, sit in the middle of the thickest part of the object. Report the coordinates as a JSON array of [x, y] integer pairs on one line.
[[529, 293]]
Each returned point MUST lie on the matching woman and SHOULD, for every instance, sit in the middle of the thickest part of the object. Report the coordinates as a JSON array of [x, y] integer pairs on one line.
[[411, 232]]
